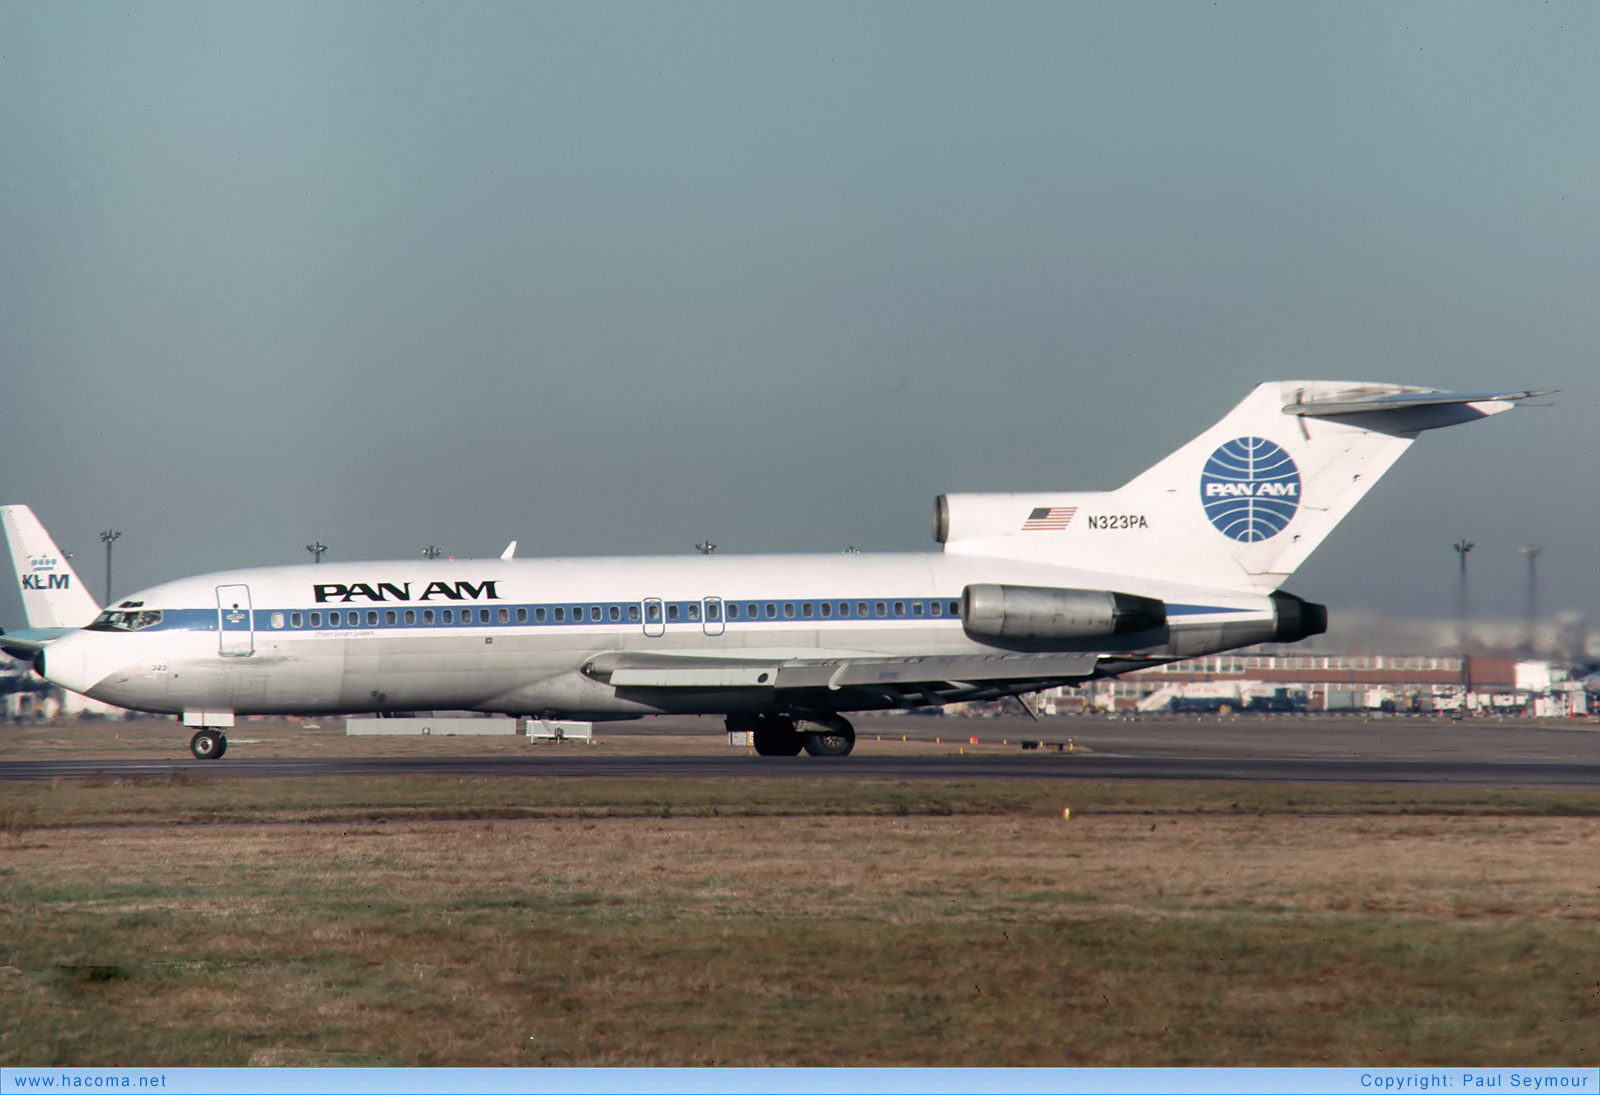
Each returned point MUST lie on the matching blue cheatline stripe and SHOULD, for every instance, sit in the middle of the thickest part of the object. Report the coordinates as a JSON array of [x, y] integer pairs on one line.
[[630, 614], [673, 614]]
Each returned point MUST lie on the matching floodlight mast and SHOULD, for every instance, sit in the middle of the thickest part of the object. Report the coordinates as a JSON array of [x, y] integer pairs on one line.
[[109, 537], [1463, 546], [1532, 552]]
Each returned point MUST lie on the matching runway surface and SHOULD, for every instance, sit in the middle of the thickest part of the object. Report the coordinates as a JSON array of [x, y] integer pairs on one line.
[[1295, 750], [1099, 767]]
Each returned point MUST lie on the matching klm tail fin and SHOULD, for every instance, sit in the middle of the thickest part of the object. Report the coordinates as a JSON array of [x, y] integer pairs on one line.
[[52, 594], [1239, 507]]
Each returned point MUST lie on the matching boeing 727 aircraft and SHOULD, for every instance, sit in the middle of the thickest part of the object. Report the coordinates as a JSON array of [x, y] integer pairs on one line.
[[1029, 592]]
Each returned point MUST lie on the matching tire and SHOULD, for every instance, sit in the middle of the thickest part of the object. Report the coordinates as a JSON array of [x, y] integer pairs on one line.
[[831, 739], [775, 736], [208, 745]]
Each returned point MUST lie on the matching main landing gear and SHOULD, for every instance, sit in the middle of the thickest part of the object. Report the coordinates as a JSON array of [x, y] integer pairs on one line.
[[208, 744], [780, 736]]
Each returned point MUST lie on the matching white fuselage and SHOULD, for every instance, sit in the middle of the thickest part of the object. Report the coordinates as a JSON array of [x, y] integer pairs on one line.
[[515, 636]]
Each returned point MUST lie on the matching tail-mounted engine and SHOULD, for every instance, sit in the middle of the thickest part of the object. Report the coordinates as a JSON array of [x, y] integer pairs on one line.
[[1037, 612]]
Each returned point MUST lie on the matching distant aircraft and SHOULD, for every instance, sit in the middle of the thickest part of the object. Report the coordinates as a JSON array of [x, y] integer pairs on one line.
[[1030, 591]]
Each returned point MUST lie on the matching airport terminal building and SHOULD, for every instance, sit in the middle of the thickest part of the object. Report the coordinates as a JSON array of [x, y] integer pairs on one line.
[[1278, 681]]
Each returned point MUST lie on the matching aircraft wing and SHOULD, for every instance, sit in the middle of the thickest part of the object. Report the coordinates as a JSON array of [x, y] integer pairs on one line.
[[906, 681]]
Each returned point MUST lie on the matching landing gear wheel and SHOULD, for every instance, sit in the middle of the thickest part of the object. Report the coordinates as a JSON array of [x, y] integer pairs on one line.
[[208, 744], [834, 738], [775, 736]]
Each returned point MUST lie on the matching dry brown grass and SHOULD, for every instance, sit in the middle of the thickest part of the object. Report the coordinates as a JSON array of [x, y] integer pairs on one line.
[[1001, 936]]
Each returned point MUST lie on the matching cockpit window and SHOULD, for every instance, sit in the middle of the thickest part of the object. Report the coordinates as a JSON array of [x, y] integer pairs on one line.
[[136, 620]]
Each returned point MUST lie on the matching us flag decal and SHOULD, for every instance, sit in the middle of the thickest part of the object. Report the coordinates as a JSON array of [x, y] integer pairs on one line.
[[1048, 518]]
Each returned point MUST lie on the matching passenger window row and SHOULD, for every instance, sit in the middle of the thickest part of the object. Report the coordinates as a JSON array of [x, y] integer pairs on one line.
[[713, 611]]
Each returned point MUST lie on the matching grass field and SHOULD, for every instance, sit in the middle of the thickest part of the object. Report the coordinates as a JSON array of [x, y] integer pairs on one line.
[[543, 921]]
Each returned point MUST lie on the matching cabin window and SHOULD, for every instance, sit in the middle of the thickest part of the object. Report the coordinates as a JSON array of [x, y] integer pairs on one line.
[[633, 613], [561, 615], [277, 619], [788, 610], [827, 609], [294, 619], [713, 611], [483, 615], [916, 608], [772, 611], [316, 619], [883, 609], [594, 613], [522, 615], [844, 608], [388, 617], [652, 612], [672, 612], [806, 609], [614, 612], [503, 615], [750, 612], [372, 617], [899, 608], [427, 616], [538, 615], [955, 608], [694, 611], [733, 612], [861, 609], [448, 616], [935, 607]]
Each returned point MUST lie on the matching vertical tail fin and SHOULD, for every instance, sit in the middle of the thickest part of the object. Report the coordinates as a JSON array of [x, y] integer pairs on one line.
[[52, 593], [1239, 507]]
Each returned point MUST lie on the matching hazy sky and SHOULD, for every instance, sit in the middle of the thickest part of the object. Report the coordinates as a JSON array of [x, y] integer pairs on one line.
[[616, 278]]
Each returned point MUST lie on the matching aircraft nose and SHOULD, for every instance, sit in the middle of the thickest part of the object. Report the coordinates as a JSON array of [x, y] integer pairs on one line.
[[66, 662]]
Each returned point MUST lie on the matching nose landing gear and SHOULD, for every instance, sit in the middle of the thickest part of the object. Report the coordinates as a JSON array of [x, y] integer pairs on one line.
[[208, 744]]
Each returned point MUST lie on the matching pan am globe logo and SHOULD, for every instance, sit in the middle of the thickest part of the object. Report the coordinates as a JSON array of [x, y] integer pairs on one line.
[[1250, 489]]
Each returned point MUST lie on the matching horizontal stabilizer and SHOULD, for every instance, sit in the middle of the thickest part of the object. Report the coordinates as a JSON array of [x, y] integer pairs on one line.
[[1405, 412], [1393, 401], [24, 644]]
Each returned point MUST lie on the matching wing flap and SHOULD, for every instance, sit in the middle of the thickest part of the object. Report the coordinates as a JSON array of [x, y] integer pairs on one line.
[[625, 670], [695, 676]]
